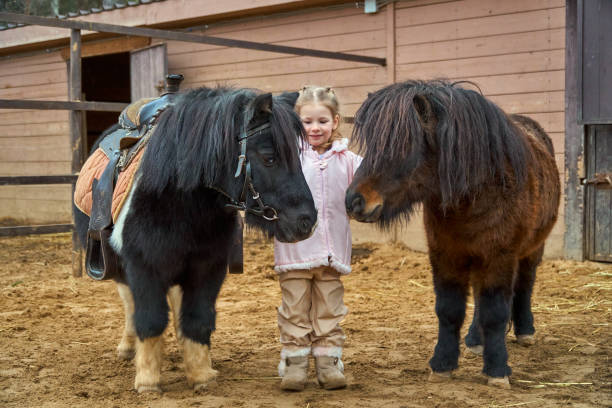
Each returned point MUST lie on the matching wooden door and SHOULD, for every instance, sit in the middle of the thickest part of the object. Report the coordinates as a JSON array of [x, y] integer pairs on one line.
[[148, 69], [596, 114], [599, 193]]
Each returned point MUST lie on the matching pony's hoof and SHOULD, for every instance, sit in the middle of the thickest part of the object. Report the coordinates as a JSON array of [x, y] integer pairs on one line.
[[477, 350], [439, 377], [525, 339], [499, 382], [149, 388], [203, 388], [126, 354]]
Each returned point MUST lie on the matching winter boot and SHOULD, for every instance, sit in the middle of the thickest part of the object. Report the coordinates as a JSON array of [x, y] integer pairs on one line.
[[329, 366], [293, 368]]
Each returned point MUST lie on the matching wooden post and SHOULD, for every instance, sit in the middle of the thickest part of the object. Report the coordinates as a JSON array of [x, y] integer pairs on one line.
[[390, 33], [76, 139]]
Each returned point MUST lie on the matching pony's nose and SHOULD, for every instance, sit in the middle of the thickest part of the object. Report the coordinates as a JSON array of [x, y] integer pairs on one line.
[[306, 224], [355, 203]]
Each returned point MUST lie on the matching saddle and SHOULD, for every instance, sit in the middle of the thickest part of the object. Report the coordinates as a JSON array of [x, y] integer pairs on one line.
[[121, 148]]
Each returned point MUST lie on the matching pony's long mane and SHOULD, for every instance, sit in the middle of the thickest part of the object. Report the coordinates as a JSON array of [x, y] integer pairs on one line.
[[474, 140], [195, 142]]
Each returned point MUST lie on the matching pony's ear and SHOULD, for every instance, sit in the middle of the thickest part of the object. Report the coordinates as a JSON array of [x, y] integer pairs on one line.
[[261, 106], [289, 98], [424, 110]]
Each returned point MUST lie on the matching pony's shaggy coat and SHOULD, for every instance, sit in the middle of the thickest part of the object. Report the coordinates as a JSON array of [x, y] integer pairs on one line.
[[490, 190]]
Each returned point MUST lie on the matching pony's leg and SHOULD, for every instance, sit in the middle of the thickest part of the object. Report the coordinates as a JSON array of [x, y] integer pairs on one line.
[[473, 339], [198, 320], [150, 321], [494, 293], [451, 288], [148, 364], [175, 296], [521, 302], [125, 349]]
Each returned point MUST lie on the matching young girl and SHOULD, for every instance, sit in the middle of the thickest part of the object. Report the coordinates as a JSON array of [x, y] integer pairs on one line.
[[310, 270]]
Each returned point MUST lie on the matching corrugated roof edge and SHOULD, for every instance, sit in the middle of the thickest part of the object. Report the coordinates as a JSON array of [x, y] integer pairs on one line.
[[128, 3]]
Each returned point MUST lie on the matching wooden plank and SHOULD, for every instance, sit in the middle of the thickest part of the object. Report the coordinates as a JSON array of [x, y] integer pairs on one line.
[[16, 117], [13, 134], [48, 77], [49, 148], [21, 168], [542, 81], [111, 46], [16, 69], [35, 230], [49, 193], [513, 63], [530, 102], [37, 92], [37, 60], [411, 13], [37, 211], [480, 47], [482, 27]]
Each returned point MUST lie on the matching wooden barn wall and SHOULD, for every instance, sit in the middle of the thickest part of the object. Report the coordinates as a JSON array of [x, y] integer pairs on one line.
[[34, 142], [514, 51]]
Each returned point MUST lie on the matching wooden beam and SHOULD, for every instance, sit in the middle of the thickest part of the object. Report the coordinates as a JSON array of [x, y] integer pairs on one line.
[[110, 46], [186, 37], [34, 230], [62, 105], [77, 137], [29, 180]]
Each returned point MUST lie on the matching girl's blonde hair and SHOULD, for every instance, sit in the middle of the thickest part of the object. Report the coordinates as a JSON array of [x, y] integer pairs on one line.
[[325, 96]]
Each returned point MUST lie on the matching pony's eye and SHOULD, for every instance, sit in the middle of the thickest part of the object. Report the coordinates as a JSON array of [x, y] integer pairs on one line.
[[269, 160]]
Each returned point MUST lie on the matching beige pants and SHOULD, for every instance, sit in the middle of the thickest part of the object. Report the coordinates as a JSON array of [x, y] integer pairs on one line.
[[311, 309]]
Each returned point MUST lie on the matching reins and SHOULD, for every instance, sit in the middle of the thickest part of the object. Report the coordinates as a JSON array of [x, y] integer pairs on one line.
[[266, 212]]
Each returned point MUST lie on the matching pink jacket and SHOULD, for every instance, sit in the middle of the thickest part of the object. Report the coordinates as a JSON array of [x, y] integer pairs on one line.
[[328, 178]]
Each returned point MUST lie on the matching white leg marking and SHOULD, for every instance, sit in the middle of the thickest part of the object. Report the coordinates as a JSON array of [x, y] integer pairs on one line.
[[148, 364], [125, 349], [198, 365], [175, 296]]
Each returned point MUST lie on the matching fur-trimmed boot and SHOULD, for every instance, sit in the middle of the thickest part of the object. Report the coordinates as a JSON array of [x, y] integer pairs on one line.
[[329, 366], [293, 368]]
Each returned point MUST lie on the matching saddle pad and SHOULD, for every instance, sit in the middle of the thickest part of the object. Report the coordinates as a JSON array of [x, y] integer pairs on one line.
[[93, 168]]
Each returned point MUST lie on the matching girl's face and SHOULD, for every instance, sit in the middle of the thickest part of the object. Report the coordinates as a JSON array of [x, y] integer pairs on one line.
[[319, 124]]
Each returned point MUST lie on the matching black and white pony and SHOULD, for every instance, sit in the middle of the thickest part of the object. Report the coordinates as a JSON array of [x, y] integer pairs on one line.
[[213, 152]]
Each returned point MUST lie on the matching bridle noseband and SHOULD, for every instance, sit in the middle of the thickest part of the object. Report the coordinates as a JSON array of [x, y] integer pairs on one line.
[[265, 211]]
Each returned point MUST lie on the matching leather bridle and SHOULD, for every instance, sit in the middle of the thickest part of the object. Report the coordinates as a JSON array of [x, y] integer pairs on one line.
[[265, 211]]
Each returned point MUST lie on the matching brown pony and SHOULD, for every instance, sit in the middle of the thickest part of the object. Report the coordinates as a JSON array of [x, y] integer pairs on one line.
[[489, 187]]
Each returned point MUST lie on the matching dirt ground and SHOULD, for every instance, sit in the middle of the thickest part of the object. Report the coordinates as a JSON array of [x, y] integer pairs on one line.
[[58, 336]]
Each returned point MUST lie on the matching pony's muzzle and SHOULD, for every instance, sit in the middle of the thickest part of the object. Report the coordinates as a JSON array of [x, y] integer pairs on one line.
[[306, 225], [357, 208]]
